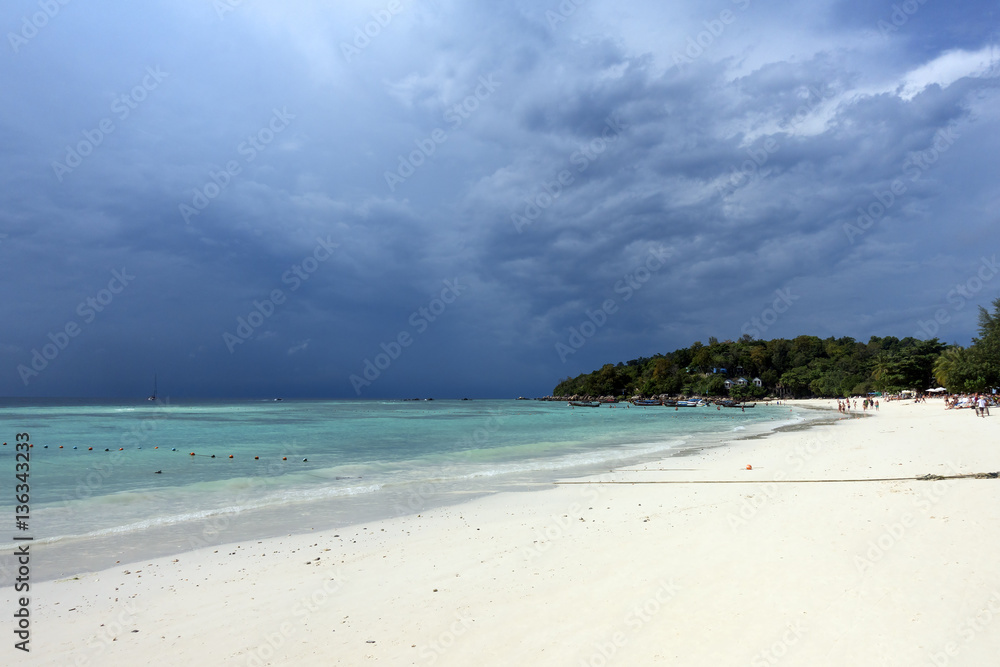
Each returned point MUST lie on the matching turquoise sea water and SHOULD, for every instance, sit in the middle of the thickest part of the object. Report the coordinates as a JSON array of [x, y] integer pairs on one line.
[[320, 464]]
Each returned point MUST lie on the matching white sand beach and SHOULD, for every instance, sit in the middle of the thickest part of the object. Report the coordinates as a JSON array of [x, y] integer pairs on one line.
[[753, 573]]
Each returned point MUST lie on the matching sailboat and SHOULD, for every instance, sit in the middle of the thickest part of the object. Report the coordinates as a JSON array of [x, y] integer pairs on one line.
[[153, 396]]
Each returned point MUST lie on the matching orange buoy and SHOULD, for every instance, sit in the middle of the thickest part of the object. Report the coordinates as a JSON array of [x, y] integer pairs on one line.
[[121, 449], [230, 456], [157, 447], [60, 446], [284, 458], [749, 467], [256, 458], [90, 449], [192, 453]]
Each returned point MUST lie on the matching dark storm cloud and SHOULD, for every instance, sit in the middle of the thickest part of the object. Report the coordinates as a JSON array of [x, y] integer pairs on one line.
[[543, 161]]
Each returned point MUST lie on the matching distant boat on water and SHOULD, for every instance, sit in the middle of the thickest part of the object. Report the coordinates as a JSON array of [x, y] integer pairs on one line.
[[152, 397], [585, 405]]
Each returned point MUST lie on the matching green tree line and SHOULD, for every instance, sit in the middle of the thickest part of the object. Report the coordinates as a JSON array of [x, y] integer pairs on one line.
[[806, 366]]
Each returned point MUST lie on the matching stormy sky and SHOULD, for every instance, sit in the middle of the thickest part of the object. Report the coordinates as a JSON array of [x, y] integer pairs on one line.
[[438, 198]]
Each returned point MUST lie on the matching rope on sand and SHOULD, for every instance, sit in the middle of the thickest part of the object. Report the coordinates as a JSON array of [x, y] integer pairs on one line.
[[921, 478]]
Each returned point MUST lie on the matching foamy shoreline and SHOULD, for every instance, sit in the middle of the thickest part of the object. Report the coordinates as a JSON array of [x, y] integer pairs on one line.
[[864, 573]]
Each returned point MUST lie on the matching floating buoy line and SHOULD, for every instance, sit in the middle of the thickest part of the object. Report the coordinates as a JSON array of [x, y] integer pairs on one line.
[[173, 449]]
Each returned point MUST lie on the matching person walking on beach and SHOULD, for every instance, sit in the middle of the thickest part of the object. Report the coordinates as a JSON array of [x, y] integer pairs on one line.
[[981, 408]]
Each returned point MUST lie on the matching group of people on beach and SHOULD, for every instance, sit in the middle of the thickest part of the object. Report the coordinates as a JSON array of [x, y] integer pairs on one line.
[[981, 403], [845, 404]]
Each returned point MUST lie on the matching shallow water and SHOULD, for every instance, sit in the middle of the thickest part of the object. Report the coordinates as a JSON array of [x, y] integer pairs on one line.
[[139, 492]]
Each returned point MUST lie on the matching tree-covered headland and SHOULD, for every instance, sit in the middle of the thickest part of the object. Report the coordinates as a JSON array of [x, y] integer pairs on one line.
[[803, 367]]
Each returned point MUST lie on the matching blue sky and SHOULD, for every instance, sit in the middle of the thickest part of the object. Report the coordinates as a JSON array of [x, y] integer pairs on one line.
[[452, 199]]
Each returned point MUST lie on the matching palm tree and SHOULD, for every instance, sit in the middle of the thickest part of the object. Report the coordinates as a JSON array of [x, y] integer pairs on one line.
[[882, 371], [948, 368]]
